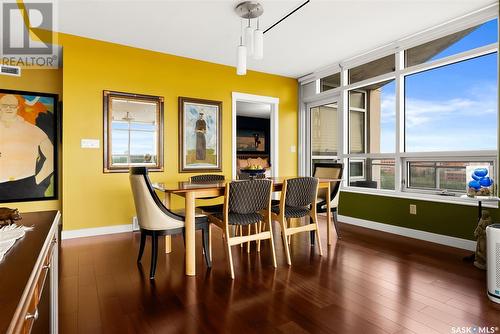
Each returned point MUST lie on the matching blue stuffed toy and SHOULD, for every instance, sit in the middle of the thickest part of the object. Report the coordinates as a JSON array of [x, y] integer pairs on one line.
[[480, 183]]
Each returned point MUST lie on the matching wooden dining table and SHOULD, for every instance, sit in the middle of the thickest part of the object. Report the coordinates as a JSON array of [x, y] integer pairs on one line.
[[190, 191]]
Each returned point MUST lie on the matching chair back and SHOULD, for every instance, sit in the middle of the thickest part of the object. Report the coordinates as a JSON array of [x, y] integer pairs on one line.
[[206, 178], [249, 196], [246, 176], [329, 170], [151, 213], [301, 191]]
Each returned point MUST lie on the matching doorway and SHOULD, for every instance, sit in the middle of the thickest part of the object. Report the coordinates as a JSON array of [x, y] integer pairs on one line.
[[254, 133]]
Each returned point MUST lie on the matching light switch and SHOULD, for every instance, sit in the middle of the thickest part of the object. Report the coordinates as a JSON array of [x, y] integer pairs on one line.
[[90, 143], [293, 149]]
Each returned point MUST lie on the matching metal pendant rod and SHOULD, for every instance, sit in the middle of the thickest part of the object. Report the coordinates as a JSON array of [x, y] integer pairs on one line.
[[293, 11]]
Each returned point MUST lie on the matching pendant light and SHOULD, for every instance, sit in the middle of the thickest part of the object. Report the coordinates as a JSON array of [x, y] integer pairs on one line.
[[249, 38], [249, 10], [258, 43], [241, 67]]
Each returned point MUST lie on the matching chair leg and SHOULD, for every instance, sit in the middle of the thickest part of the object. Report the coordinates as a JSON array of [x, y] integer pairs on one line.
[[229, 255], [141, 247], [285, 241], [210, 241], [154, 255], [335, 223], [311, 233], [206, 245], [258, 229], [289, 224], [315, 220], [240, 231], [249, 228], [272, 246]]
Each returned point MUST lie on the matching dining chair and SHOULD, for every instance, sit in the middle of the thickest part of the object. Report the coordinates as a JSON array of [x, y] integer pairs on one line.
[[207, 178], [327, 170], [156, 220], [246, 203], [298, 200]]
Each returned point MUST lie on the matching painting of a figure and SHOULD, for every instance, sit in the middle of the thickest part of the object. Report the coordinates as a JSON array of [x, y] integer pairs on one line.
[[27, 146], [200, 135]]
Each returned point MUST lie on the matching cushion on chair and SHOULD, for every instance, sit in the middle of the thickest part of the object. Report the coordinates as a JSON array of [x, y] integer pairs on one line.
[[240, 219], [291, 211], [212, 208], [242, 163], [301, 191], [206, 178]]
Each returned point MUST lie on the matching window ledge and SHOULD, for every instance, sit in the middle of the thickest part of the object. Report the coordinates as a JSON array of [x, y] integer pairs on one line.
[[419, 196]]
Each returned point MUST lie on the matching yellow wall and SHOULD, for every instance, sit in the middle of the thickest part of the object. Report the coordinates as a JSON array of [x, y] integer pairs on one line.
[[43, 81], [93, 199]]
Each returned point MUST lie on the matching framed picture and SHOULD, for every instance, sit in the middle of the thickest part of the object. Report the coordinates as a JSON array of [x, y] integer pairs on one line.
[[200, 135], [250, 141], [133, 132], [28, 146]]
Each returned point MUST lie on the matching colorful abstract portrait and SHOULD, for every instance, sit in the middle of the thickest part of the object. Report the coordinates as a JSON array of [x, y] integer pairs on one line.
[[200, 140], [28, 146]]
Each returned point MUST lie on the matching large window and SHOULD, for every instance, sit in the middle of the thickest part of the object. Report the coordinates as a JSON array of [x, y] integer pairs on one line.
[[420, 118], [453, 108]]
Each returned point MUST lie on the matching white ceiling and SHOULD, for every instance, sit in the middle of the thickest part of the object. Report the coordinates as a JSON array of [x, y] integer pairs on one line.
[[321, 33], [250, 109]]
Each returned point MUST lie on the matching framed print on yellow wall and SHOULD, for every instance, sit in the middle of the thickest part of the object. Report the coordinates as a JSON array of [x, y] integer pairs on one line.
[[28, 146], [200, 135]]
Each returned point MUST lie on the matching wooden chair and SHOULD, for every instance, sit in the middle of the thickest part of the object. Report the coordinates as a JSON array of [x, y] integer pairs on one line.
[[207, 178], [156, 220], [246, 203], [328, 170], [298, 199]]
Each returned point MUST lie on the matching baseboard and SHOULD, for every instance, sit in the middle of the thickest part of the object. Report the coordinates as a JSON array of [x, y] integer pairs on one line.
[[91, 232], [408, 232]]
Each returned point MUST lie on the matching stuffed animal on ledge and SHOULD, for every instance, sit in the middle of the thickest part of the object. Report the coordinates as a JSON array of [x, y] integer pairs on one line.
[[480, 234], [9, 216]]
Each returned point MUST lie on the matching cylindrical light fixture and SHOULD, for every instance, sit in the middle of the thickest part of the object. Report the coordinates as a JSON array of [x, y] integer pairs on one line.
[[258, 43], [241, 68], [249, 38]]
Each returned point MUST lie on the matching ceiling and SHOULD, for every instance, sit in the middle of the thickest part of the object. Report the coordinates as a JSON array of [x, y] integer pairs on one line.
[[251, 109], [323, 32]]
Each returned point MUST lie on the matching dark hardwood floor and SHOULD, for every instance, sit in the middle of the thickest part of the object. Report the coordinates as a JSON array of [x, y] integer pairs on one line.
[[369, 282]]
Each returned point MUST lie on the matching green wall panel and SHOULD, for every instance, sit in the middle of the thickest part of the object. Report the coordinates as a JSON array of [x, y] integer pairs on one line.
[[442, 218]]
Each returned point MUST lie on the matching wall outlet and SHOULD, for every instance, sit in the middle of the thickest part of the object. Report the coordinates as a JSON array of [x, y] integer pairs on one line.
[[413, 209], [89, 143], [293, 149]]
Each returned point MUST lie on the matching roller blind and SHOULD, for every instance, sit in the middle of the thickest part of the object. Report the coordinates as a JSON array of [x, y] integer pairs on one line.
[[324, 130], [357, 131]]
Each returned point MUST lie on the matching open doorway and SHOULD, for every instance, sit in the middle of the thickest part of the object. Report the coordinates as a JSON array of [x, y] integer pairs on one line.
[[255, 133]]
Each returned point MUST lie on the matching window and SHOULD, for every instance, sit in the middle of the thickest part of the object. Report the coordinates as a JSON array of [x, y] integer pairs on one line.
[[372, 69], [324, 130], [453, 108], [468, 39], [133, 131], [329, 82], [372, 173], [373, 128], [423, 128], [440, 176]]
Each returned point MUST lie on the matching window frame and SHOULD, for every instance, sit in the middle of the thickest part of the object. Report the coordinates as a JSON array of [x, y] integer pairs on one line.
[[400, 156]]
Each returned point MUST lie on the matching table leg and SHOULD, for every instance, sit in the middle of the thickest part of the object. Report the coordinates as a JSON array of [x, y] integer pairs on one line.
[[190, 234], [168, 239], [329, 217]]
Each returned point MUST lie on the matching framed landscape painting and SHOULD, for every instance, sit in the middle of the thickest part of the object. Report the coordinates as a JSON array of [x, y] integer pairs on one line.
[[250, 141], [28, 146], [200, 135]]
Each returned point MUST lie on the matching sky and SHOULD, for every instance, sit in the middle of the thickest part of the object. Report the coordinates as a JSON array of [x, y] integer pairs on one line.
[[450, 108]]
